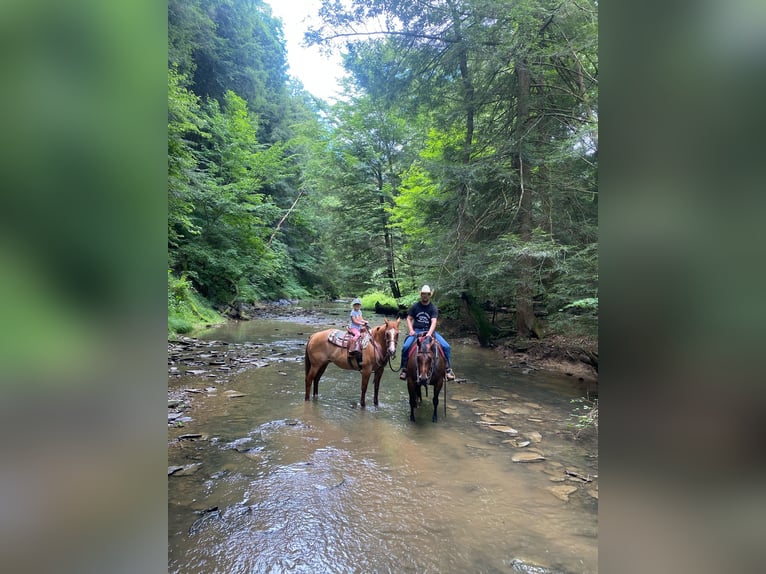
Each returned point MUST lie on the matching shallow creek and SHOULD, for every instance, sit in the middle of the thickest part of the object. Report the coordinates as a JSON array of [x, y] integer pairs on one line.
[[262, 481]]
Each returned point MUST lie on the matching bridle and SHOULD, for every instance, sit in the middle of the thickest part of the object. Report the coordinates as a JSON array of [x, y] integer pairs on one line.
[[391, 336], [432, 356]]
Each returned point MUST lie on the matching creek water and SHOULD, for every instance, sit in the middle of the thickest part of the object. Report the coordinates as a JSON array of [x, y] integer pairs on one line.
[[324, 486]]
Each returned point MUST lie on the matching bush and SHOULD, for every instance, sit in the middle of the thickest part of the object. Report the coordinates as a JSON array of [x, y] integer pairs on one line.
[[369, 300], [186, 309], [179, 325]]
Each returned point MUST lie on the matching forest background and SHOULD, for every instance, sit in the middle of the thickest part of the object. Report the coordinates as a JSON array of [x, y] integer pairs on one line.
[[463, 154]]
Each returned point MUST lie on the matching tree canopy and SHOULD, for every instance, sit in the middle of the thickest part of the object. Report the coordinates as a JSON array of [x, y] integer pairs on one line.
[[464, 156]]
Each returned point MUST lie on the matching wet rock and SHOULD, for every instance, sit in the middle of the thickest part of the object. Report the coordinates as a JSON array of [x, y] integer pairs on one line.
[[201, 523], [233, 394], [504, 429], [519, 565], [184, 470], [518, 443], [189, 436], [534, 436], [562, 492], [529, 456]]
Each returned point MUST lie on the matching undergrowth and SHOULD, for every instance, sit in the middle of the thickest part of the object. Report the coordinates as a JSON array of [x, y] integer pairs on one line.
[[187, 311]]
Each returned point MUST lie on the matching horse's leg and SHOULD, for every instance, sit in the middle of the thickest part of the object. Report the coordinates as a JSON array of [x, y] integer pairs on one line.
[[319, 373], [413, 398], [437, 389], [309, 378], [365, 382], [376, 383], [309, 371]]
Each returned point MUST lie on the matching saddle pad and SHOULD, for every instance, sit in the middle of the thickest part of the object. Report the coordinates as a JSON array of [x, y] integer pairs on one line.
[[342, 338]]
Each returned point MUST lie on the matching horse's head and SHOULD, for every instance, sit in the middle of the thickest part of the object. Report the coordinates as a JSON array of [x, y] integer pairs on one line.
[[392, 336], [426, 359]]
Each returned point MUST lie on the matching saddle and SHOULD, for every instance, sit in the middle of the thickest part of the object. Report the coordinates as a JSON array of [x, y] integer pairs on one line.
[[343, 339]]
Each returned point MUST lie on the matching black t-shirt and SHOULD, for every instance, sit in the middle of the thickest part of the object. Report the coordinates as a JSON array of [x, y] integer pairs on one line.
[[422, 315]]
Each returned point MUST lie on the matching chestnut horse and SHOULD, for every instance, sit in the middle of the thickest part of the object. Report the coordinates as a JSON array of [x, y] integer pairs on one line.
[[320, 352], [426, 365]]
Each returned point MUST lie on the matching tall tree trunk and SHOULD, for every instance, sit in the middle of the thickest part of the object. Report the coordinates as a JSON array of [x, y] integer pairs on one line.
[[393, 283], [484, 329], [526, 323]]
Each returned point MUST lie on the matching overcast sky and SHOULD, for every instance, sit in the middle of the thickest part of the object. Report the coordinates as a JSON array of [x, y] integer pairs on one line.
[[318, 73]]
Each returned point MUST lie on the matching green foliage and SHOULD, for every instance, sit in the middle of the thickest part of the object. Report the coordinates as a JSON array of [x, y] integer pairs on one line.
[[441, 167], [370, 298], [186, 310], [584, 416], [589, 303]]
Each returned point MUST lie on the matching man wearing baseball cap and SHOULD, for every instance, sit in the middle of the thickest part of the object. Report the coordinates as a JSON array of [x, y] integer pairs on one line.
[[421, 318]]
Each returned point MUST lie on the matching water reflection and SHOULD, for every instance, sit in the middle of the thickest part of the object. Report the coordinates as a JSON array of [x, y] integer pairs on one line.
[[324, 486]]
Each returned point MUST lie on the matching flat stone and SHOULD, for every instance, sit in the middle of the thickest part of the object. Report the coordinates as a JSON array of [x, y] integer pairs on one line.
[[529, 456], [562, 492], [518, 443], [503, 428], [185, 470]]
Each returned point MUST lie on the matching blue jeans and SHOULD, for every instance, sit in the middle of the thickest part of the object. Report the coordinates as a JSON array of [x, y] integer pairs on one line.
[[410, 339]]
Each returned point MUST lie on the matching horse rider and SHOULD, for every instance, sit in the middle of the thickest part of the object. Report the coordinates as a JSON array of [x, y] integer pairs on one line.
[[421, 319], [355, 324]]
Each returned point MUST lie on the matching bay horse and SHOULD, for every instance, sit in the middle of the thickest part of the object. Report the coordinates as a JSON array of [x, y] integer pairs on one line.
[[426, 365], [320, 352]]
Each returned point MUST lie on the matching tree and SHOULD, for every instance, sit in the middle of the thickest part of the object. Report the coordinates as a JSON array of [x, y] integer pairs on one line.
[[508, 90]]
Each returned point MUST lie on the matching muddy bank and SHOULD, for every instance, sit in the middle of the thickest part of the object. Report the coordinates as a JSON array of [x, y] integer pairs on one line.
[[573, 357]]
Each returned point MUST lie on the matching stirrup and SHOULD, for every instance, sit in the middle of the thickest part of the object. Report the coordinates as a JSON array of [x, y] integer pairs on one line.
[[450, 375], [403, 375]]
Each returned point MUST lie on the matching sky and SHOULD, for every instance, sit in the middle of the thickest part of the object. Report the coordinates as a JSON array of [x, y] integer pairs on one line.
[[318, 73]]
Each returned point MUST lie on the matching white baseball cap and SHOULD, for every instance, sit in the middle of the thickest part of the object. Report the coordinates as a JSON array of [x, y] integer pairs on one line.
[[425, 289]]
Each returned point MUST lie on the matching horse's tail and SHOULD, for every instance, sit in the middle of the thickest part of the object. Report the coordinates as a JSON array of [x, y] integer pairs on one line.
[[306, 358]]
